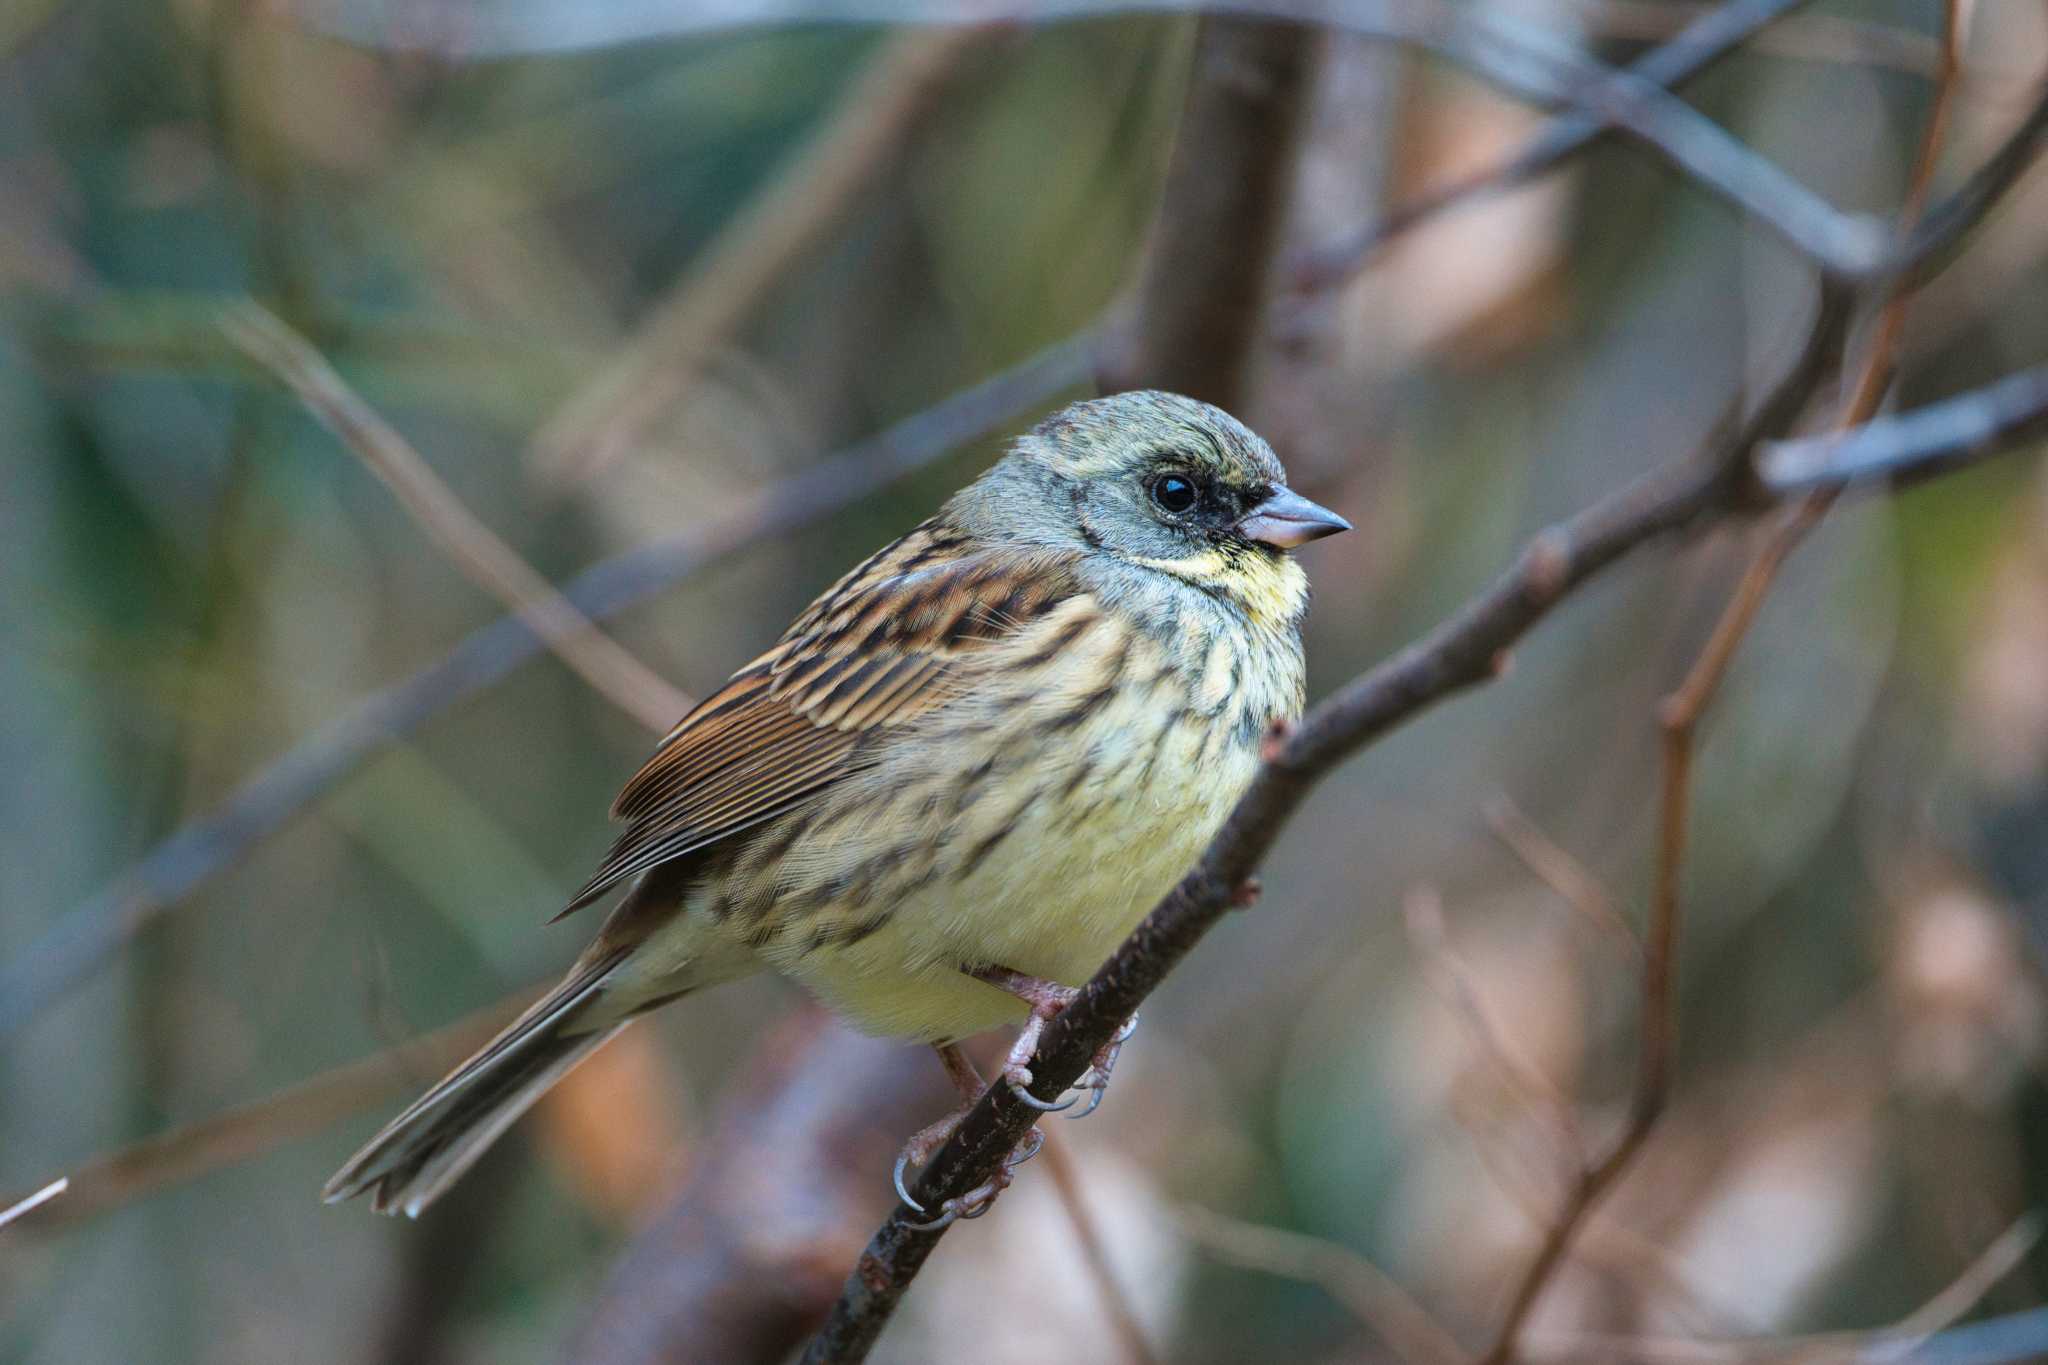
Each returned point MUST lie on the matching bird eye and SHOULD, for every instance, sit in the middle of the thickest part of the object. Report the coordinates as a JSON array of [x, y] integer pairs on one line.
[[1173, 493]]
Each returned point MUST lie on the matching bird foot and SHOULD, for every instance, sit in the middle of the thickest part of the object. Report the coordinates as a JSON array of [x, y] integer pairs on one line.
[[977, 1201]]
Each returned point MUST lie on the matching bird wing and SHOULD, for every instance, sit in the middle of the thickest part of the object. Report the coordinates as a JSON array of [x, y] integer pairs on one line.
[[882, 646]]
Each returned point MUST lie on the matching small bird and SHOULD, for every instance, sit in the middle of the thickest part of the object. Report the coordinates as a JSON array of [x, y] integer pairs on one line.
[[955, 784]]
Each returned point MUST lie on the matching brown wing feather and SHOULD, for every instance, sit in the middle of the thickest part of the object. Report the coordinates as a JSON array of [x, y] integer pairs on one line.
[[879, 647]]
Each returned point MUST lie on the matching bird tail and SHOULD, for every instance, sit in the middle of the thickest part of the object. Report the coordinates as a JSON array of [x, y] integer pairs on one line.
[[419, 1154]]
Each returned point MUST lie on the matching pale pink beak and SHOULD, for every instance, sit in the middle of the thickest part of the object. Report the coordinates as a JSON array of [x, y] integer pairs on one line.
[[1286, 520]]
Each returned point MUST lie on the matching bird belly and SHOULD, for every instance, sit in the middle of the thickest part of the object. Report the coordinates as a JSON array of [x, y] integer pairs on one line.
[[1042, 866]]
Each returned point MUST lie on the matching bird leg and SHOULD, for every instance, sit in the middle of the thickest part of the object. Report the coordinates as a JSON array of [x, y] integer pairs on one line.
[[1046, 999], [925, 1143]]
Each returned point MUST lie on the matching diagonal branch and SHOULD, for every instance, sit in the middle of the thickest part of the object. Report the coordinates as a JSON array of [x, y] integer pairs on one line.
[[29, 1203], [1923, 442], [1698, 47], [1371, 1295], [243, 1132], [810, 194], [1678, 720], [475, 549], [91, 932]]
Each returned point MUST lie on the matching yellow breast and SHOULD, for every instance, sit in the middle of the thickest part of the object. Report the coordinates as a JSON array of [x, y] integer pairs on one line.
[[1029, 826]]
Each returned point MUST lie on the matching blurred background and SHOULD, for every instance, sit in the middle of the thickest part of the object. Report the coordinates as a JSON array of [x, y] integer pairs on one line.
[[628, 289]]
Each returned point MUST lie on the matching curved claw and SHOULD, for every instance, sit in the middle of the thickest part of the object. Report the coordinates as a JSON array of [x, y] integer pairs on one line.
[[949, 1214], [903, 1190], [1025, 1097], [1095, 1094], [1123, 1035], [966, 1207]]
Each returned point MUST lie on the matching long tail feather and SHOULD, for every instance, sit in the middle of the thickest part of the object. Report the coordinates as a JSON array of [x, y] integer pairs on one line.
[[441, 1134]]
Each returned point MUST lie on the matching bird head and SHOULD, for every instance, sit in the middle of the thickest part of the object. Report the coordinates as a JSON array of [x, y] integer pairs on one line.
[[1163, 483]]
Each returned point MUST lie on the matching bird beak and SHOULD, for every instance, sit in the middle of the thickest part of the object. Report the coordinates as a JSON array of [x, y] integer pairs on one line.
[[1287, 519]]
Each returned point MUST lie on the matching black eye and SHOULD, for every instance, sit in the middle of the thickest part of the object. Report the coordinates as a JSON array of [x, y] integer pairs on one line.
[[1173, 493]]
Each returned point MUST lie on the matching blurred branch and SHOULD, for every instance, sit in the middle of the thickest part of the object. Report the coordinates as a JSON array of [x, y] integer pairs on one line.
[[30, 1203], [251, 1130], [1199, 308], [1423, 910], [1815, 37], [2016, 1339], [1928, 440], [746, 1259], [1528, 62], [1061, 1165], [1703, 42], [809, 194], [1634, 101], [1678, 719], [482, 557], [94, 930], [1372, 1296], [1556, 868], [1916, 1337]]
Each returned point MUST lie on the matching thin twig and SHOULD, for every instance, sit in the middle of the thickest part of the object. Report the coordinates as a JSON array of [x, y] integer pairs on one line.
[[1678, 720], [1556, 867], [1808, 37], [1371, 1295], [1699, 46], [30, 1203], [1918, 443], [1895, 1344], [474, 548], [114, 1179], [1423, 911], [1542, 68], [1116, 1304], [807, 195], [1634, 101], [91, 932]]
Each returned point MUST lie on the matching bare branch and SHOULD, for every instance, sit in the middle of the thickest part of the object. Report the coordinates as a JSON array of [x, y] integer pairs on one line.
[[1427, 932], [746, 1259], [1703, 42], [1061, 1165], [807, 196], [246, 1131], [1928, 440], [1812, 37], [1522, 60], [1905, 1341], [474, 548], [1199, 309], [1371, 1295], [94, 930], [1678, 719], [30, 1203], [1556, 868]]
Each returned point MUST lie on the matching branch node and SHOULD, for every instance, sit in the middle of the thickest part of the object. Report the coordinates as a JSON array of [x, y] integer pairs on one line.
[[1547, 567], [1273, 747]]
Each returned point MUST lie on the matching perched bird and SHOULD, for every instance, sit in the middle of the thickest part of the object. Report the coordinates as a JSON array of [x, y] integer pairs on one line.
[[958, 780]]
